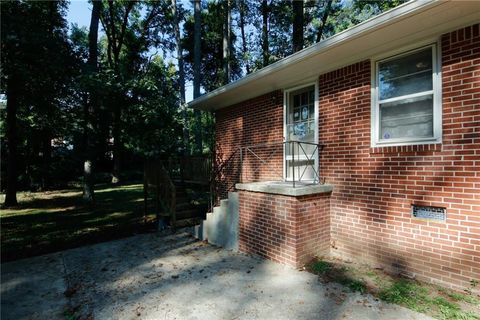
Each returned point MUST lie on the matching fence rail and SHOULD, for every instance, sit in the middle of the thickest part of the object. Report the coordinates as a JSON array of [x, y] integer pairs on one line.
[[190, 169]]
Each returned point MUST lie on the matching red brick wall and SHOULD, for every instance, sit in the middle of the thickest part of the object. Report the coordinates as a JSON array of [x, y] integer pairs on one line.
[[290, 230], [374, 188], [255, 121]]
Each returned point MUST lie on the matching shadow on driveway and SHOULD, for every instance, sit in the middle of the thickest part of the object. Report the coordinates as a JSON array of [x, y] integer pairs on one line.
[[175, 277]]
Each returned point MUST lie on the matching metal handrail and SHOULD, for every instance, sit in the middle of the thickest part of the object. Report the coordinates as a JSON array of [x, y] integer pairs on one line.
[[244, 151], [216, 172], [286, 144]]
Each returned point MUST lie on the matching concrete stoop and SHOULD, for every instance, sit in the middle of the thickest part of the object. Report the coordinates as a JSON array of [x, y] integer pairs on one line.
[[220, 228]]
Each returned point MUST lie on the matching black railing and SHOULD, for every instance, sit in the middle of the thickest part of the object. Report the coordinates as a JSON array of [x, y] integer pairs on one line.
[[286, 161], [297, 157]]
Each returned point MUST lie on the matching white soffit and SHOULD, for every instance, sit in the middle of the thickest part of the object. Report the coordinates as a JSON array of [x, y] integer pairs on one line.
[[409, 23]]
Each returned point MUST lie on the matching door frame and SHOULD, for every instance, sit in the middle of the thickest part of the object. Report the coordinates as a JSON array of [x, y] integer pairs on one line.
[[286, 94]]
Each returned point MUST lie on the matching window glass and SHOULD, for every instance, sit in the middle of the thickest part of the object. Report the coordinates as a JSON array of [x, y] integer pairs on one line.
[[405, 75], [407, 118], [405, 102]]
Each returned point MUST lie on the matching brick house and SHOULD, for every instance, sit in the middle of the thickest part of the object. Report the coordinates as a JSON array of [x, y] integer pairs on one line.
[[378, 127]]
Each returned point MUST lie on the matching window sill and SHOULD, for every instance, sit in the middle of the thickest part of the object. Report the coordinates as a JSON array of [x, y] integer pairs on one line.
[[425, 147]]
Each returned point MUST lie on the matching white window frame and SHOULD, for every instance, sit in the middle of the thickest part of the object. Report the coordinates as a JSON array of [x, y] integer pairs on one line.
[[436, 91], [286, 95]]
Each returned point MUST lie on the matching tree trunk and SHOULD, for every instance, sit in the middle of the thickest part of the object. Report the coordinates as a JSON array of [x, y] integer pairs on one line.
[[117, 146], [297, 35], [181, 76], [46, 159], [12, 141], [197, 33], [265, 52], [196, 73], [326, 12], [226, 43], [90, 106], [241, 9]]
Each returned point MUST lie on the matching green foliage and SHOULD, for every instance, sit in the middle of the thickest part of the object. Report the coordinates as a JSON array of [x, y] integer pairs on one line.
[[406, 293], [330, 272], [151, 122], [39, 64], [353, 285], [212, 73], [321, 266], [442, 303], [416, 297]]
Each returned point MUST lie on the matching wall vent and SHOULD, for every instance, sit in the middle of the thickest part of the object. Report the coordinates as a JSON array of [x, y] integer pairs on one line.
[[430, 213]]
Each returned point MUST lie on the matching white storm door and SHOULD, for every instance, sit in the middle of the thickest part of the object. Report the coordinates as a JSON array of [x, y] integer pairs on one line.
[[301, 134]]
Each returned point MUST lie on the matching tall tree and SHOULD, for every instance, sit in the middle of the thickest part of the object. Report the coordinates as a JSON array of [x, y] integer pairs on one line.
[[115, 23], [211, 62], [242, 10], [325, 15], [10, 51], [36, 68], [132, 28], [297, 34], [90, 105], [13, 87], [227, 28], [181, 74], [265, 46], [197, 9]]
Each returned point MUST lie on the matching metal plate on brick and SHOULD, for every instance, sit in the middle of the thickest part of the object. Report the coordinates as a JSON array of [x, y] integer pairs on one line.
[[431, 213]]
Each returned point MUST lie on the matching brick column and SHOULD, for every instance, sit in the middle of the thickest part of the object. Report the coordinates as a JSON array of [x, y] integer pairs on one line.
[[284, 228]]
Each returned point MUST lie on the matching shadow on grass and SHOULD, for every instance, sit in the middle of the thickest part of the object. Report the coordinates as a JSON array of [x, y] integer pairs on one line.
[[53, 221], [330, 272], [439, 302]]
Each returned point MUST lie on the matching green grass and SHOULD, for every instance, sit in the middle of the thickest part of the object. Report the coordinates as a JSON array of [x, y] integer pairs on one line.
[[321, 267], [51, 221], [435, 301], [331, 272], [406, 293], [417, 297]]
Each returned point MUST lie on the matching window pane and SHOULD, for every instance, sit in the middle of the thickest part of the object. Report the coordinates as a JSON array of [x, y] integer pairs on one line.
[[406, 75], [296, 101], [407, 118], [296, 114]]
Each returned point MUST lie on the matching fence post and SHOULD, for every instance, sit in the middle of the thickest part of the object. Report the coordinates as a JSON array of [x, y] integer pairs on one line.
[[145, 192]]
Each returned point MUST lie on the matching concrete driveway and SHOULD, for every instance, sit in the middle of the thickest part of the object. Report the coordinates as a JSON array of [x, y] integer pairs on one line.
[[174, 277]]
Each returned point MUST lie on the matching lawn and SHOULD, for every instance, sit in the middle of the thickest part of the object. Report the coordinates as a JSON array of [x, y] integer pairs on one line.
[[57, 220], [435, 301]]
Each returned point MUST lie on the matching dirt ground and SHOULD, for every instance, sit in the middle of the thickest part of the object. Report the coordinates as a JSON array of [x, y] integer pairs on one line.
[[175, 277]]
